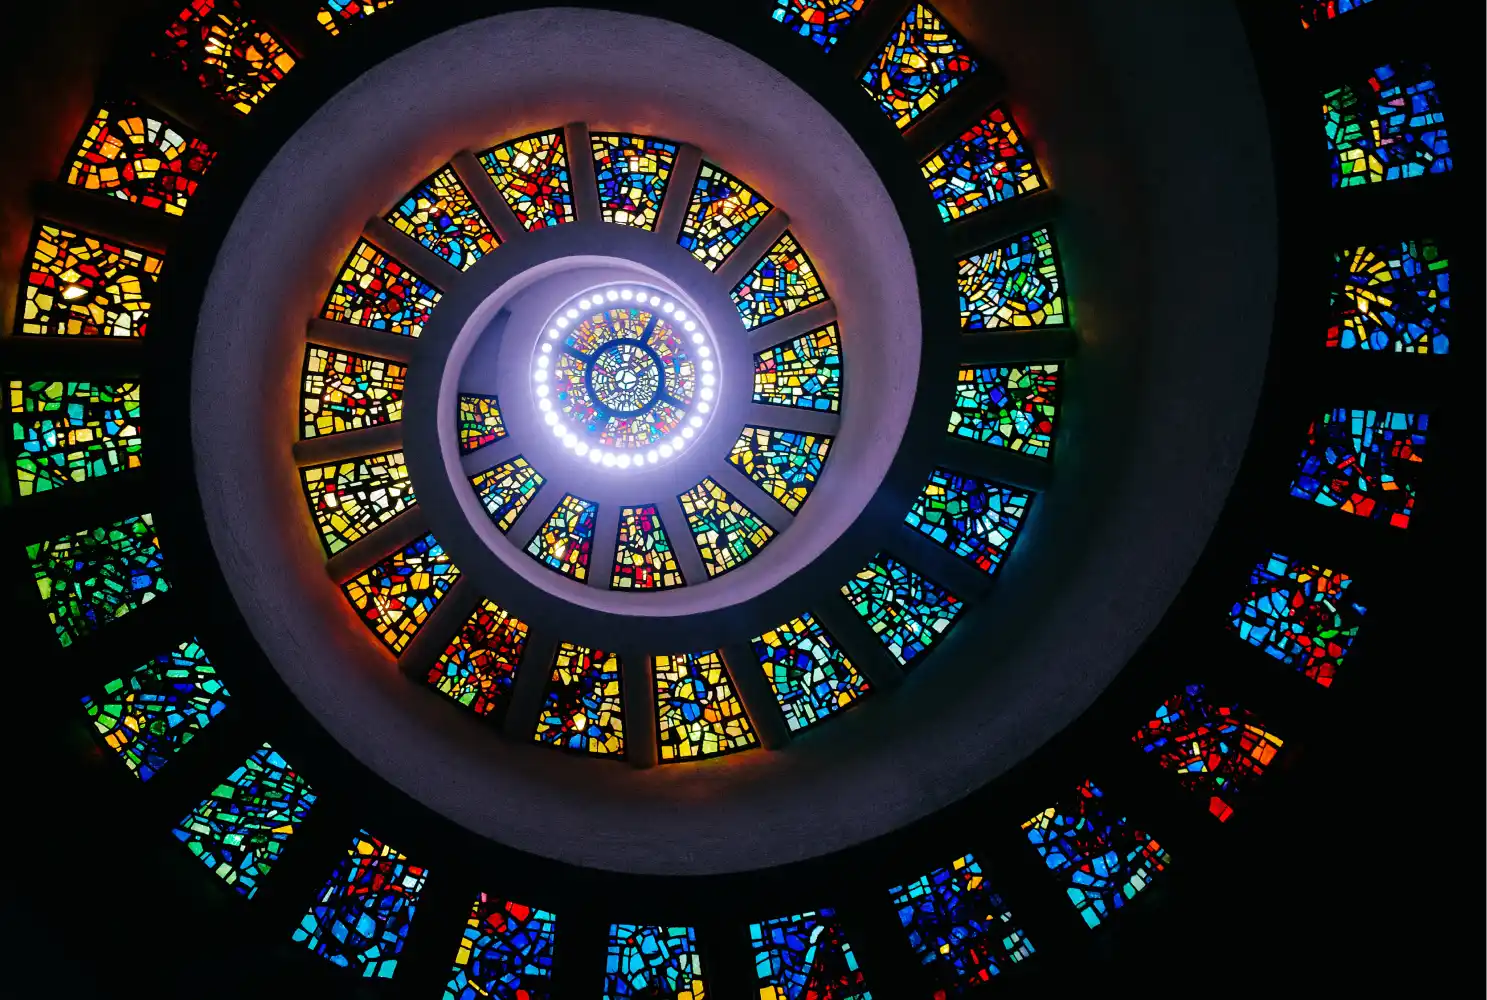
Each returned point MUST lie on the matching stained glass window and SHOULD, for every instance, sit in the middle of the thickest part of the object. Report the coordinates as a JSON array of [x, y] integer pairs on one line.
[[644, 558], [810, 675], [566, 539], [822, 21], [1302, 615], [1216, 749], [960, 929], [806, 957], [154, 710], [1316, 11], [1103, 857], [395, 597], [653, 963], [1007, 407], [805, 372], [360, 918], [336, 14], [785, 464], [506, 490], [351, 499], [728, 534], [783, 282], [139, 155], [1386, 127], [971, 517], [632, 171], [478, 667], [89, 578], [239, 831], [480, 422], [1363, 462], [700, 715], [582, 709], [1391, 297], [905, 610], [1016, 284], [342, 391], [922, 62], [70, 432], [441, 215], [78, 285], [723, 211], [380, 293], [505, 953], [532, 175], [986, 165], [232, 56]]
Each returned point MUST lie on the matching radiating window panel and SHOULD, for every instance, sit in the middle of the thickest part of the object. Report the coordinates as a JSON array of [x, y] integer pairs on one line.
[[360, 918], [380, 293], [230, 55], [80, 285], [907, 611], [785, 464], [505, 953], [699, 711], [480, 422], [784, 281], [1216, 748], [632, 172], [336, 15], [1314, 12], [958, 927], [566, 539], [351, 499], [137, 154], [728, 534], [810, 675], [440, 214], [582, 709], [1013, 285], [1363, 462], [342, 391], [975, 519], [651, 963], [532, 175], [1303, 615], [986, 165], [478, 667], [70, 432], [822, 21], [506, 490], [89, 578], [1386, 125], [241, 828], [1013, 407], [644, 558], [1103, 859], [803, 956], [1391, 297], [922, 62], [395, 597], [805, 372], [157, 708], [722, 212]]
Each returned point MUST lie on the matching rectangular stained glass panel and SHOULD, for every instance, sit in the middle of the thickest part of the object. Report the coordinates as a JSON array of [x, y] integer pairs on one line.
[[805, 957], [566, 540], [480, 422], [441, 215], [1013, 408], [231, 56], [986, 165], [699, 712], [805, 372], [1303, 615], [971, 517], [80, 285], [653, 963], [632, 172], [906, 611], [478, 667], [810, 675], [395, 597], [505, 953], [1363, 462], [922, 62], [582, 709], [351, 499], [506, 490], [784, 464], [822, 21], [379, 293], [336, 15], [1391, 297], [70, 432], [342, 392], [723, 211], [1387, 125], [728, 534], [93, 577], [139, 155], [1314, 12], [360, 919], [784, 281], [644, 558], [532, 175], [1013, 285], [958, 927]]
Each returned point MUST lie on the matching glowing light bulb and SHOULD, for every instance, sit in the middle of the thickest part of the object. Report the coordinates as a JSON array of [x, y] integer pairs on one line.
[[553, 334], [546, 348], [652, 456], [689, 326], [698, 338], [704, 350], [623, 461], [550, 417], [582, 449], [687, 432], [707, 365], [679, 442], [668, 308], [595, 456], [655, 300], [562, 321], [704, 407], [543, 359], [666, 451], [708, 378], [681, 314], [544, 404], [695, 421], [584, 303], [542, 391], [611, 295], [707, 392], [627, 295], [571, 314], [609, 460], [559, 431]]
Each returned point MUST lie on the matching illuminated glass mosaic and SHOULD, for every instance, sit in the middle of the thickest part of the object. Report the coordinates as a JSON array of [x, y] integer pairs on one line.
[[478, 667], [971, 517], [70, 432], [506, 490], [699, 712], [1391, 297], [1387, 126], [958, 927], [653, 963], [905, 610], [139, 155], [986, 165], [395, 597], [644, 558], [784, 281], [1363, 462], [922, 62], [806, 957], [79, 285], [723, 211], [632, 172], [379, 293], [480, 422], [728, 534], [1013, 285], [822, 21], [155, 709], [1011, 408], [785, 464], [441, 215], [1315, 12], [335, 15], [532, 175], [1216, 749], [89, 578], [582, 708], [566, 539], [805, 372], [341, 391], [1300, 614], [351, 499], [809, 674], [505, 953], [360, 918], [240, 829], [230, 55]]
